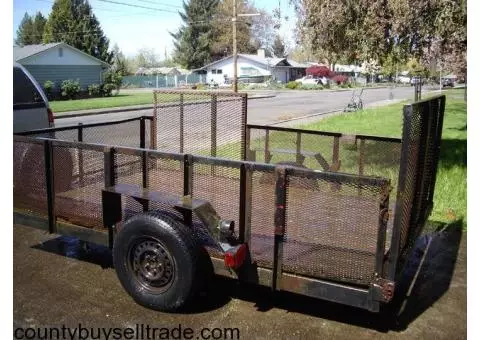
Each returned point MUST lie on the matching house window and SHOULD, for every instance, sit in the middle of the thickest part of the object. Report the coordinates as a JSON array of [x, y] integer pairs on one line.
[[216, 71], [60, 52]]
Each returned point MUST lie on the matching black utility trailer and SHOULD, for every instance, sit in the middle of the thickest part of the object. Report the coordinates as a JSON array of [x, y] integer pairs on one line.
[[323, 214]]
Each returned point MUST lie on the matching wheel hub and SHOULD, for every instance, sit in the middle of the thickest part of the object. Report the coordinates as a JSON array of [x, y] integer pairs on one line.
[[152, 264]]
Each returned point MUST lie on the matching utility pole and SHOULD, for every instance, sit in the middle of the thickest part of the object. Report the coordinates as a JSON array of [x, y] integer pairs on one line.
[[234, 21], [235, 55]]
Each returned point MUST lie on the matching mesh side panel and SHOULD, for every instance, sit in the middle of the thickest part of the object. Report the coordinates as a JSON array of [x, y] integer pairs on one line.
[[422, 135], [410, 178], [67, 135], [382, 159], [128, 169], [220, 186], [262, 218], [331, 230], [78, 189], [166, 176], [29, 190], [124, 134], [203, 123]]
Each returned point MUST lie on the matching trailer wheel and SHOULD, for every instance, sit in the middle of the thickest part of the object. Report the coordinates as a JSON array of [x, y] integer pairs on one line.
[[155, 258]]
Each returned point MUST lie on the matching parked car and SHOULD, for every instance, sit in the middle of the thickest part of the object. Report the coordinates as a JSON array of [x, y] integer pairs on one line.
[[416, 80], [311, 80], [31, 110], [447, 82], [403, 80]]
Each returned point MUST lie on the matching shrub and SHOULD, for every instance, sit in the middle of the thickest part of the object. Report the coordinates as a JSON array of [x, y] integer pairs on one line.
[[48, 87], [107, 89], [320, 71], [311, 87], [113, 80], [70, 88], [94, 90], [292, 85], [340, 79]]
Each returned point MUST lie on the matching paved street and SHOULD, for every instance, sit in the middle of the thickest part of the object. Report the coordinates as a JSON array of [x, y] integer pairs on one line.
[[286, 105]]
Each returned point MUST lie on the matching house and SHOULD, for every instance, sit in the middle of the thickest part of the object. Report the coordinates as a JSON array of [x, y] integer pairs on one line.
[[253, 66], [58, 62]]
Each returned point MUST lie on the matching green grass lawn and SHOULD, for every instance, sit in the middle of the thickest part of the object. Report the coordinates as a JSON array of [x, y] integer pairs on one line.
[[122, 99], [450, 199]]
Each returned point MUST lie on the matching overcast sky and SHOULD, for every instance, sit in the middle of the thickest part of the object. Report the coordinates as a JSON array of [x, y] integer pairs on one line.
[[133, 28]]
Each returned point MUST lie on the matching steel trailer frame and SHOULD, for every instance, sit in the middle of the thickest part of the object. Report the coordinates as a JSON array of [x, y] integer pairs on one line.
[[411, 212]]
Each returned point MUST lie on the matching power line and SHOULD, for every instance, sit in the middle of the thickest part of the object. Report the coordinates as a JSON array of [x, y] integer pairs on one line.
[[96, 8], [159, 3], [138, 6]]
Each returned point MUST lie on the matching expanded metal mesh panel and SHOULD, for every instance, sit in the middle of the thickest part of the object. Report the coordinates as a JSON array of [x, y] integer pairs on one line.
[[262, 218], [220, 186], [67, 135], [78, 188], [128, 169], [202, 123], [29, 190], [166, 176], [124, 134], [421, 138], [331, 229], [359, 155], [313, 151]]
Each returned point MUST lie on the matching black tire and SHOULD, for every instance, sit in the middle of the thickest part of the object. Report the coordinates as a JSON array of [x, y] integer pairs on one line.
[[156, 261]]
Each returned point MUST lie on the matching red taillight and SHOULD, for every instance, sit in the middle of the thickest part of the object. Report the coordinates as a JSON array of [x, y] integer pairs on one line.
[[50, 116], [235, 256]]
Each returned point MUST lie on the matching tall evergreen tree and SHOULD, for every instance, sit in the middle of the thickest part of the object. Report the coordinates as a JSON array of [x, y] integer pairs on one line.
[[25, 31], [73, 22], [279, 49], [194, 39], [38, 28]]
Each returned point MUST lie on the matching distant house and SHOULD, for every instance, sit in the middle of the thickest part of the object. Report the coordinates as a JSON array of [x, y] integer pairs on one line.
[[253, 66], [58, 62]]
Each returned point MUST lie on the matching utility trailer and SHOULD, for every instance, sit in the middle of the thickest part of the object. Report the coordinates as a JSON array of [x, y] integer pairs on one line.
[[322, 214]]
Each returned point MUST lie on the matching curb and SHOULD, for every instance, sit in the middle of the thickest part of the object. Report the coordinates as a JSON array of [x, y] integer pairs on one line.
[[131, 108]]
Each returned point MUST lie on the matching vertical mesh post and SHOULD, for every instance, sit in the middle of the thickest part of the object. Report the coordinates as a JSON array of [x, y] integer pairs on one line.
[[182, 124], [245, 206], [49, 181], [280, 210], [153, 125], [80, 154], [298, 150]]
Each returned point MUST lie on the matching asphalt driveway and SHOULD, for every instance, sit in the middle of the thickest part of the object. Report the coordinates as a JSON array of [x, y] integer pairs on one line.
[[57, 283]]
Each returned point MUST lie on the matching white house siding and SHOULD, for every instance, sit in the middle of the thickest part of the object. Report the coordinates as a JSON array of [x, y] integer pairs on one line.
[[281, 74], [243, 65], [86, 74]]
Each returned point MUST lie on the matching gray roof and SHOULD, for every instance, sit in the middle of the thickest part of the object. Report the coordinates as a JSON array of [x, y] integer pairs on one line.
[[262, 60], [23, 52], [267, 61], [26, 51]]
